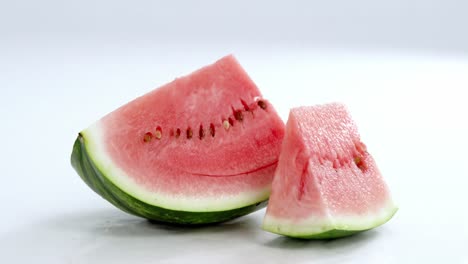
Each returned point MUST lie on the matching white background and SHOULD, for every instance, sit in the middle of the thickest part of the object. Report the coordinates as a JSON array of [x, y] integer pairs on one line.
[[400, 66]]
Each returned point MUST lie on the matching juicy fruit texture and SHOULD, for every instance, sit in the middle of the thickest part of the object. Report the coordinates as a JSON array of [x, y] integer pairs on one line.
[[200, 149], [326, 184]]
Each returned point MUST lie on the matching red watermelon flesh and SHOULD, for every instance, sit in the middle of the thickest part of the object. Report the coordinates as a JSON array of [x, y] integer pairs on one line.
[[326, 183], [205, 142]]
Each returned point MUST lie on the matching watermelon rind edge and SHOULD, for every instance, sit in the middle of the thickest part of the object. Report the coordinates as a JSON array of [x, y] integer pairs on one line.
[[327, 230], [100, 183]]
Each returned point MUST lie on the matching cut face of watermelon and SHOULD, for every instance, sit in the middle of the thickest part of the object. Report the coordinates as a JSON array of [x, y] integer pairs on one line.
[[200, 149], [326, 184]]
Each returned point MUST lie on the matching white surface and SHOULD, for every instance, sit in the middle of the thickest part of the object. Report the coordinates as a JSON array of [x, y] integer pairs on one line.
[[62, 66], [411, 112]]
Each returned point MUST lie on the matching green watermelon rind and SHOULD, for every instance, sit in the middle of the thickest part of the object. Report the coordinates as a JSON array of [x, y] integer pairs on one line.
[[330, 232], [99, 182]]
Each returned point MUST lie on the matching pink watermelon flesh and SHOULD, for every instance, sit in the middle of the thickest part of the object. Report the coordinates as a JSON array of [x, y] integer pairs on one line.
[[208, 136], [326, 183]]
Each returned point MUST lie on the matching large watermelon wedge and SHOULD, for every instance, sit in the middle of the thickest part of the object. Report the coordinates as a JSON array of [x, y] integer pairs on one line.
[[198, 150], [326, 184]]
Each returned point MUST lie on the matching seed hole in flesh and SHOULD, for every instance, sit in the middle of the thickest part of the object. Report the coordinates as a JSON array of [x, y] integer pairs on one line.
[[238, 115], [336, 164], [262, 104], [189, 133], [201, 132], [231, 121], [212, 130], [158, 133], [246, 107], [147, 137], [226, 124], [177, 133]]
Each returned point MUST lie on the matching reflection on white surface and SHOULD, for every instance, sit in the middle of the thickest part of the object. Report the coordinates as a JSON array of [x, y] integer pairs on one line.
[[108, 235]]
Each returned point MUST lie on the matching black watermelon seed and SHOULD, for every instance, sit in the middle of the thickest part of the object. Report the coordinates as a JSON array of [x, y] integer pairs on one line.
[[147, 137], [189, 133], [262, 104]]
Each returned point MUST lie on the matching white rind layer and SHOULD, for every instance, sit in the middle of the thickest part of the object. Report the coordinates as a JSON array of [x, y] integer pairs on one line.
[[315, 225], [101, 158]]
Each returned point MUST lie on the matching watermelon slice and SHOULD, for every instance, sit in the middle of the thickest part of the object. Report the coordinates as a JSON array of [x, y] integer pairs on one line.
[[201, 149], [326, 184]]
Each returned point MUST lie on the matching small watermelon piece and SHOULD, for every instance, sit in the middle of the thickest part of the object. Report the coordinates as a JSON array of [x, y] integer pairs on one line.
[[201, 149], [326, 185]]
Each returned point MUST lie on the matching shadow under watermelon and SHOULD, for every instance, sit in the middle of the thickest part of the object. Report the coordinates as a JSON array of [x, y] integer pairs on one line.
[[297, 243], [119, 224]]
